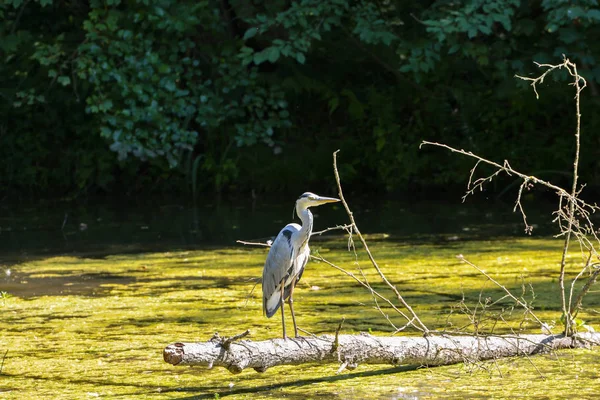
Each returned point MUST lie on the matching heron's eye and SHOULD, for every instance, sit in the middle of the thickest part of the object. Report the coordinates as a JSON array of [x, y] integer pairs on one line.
[[312, 198]]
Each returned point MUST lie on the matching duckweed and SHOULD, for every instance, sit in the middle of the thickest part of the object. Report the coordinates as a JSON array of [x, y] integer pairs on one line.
[[78, 327]]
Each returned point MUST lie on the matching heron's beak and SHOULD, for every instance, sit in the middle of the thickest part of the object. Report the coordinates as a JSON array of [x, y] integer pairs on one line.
[[324, 200]]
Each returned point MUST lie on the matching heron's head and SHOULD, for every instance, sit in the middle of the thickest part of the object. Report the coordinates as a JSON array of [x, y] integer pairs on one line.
[[309, 199]]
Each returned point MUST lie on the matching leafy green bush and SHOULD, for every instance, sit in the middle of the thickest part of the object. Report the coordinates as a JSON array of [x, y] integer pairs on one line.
[[237, 95]]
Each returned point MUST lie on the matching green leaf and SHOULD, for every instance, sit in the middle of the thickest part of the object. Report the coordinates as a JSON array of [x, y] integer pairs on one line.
[[105, 132], [594, 14], [10, 43], [260, 57], [170, 86], [300, 58], [250, 33], [486, 30], [107, 105], [273, 54], [333, 104], [453, 49], [568, 35], [575, 12], [286, 50], [64, 80], [504, 20], [551, 27]]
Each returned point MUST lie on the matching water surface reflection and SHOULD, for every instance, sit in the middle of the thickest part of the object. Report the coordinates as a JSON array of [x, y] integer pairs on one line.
[[154, 225]]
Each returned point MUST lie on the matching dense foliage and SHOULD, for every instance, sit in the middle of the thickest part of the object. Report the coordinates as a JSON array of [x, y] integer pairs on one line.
[[255, 95]]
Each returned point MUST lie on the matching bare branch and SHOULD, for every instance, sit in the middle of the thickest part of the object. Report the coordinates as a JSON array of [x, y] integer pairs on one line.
[[420, 325], [268, 244], [572, 215], [586, 288], [364, 284], [226, 343], [519, 302], [366, 349], [333, 228], [525, 184]]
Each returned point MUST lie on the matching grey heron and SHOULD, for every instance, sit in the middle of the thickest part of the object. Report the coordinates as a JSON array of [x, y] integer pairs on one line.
[[287, 258]]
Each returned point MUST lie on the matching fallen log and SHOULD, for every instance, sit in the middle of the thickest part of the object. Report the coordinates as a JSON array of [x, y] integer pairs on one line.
[[350, 350]]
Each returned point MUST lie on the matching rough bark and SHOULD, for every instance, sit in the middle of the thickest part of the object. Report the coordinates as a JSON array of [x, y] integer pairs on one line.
[[350, 350]]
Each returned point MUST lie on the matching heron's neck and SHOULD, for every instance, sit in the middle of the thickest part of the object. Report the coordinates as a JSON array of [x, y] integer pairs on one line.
[[307, 224]]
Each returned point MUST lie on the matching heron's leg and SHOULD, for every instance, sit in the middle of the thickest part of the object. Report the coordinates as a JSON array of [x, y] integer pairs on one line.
[[291, 303], [282, 304]]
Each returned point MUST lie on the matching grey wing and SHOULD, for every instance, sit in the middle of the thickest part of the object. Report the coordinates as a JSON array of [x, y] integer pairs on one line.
[[301, 260], [278, 266]]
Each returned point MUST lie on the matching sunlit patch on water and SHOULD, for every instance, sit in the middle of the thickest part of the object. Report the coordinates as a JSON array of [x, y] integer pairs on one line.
[[97, 323]]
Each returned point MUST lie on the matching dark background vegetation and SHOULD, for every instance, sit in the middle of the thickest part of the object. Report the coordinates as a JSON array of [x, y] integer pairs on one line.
[[192, 97]]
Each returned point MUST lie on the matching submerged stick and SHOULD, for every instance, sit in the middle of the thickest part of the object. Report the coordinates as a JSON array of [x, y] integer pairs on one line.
[[367, 349]]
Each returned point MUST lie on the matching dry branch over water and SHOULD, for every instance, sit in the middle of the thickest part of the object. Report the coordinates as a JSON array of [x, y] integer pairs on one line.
[[573, 215], [351, 350]]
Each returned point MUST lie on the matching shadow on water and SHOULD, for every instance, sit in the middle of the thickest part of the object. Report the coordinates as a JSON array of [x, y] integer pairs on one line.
[[95, 284], [208, 392], [69, 283], [122, 227], [291, 384]]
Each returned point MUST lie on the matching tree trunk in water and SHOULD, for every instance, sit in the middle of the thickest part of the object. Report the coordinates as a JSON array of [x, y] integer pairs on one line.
[[351, 350]]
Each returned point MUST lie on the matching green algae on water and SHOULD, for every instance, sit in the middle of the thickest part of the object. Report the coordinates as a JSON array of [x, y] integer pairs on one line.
[[94, 327]]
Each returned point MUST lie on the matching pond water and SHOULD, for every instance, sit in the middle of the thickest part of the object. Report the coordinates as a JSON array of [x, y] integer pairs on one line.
[[93, 294], [158, 224]]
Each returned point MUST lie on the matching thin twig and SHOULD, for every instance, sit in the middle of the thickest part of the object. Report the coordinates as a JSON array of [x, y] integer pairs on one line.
[[365, 281], [312, 334], [572, 68], [254, 243], [377, 306], [540, 79], [226, 343], [364, 284], [586, 288], [519, 302], [333, 228], [257, 281], [506, 167], [3, 358], [574, 281], [336, 341], [518, 204], [421, 325]]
